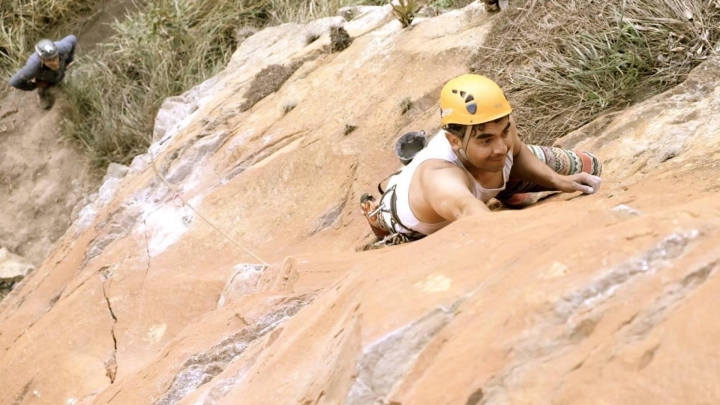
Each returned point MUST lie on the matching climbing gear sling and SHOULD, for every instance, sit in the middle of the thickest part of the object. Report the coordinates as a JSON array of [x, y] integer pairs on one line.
[[406, 148]]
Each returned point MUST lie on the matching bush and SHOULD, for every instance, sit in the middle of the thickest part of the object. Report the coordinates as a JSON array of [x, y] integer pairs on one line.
[[162, 51], [563, 63]]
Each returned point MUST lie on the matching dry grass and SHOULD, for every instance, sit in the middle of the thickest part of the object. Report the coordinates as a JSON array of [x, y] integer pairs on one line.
[[564, 62], [164, 50], [307, 10], [266, 82], [339, 39]]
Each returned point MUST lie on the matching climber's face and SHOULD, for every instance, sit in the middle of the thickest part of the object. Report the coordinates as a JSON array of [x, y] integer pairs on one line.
[[487, 146], [53, 63]]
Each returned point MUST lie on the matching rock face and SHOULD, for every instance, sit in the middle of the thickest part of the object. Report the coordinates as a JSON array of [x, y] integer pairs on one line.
[[13, 269], [233, 278]]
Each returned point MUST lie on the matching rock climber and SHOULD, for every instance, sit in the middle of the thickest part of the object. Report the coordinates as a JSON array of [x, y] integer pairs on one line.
[[476, 156], [45, 69]]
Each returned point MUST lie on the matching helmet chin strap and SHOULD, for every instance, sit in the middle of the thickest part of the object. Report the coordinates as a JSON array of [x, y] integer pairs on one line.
[[465, 141]]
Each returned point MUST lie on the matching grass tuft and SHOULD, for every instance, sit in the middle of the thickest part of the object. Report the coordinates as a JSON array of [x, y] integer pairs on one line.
[[406, 104], [266, 82], [563, 63], [339, 39]]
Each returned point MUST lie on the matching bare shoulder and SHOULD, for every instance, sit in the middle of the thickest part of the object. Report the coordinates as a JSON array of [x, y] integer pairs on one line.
[[441, 173], [518, 144]]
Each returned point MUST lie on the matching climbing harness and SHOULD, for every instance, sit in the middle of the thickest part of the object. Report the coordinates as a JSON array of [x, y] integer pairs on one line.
[[392, 232]]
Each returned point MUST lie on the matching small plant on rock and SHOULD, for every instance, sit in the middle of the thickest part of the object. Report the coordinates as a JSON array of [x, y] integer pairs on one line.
[[405, 105], [268, 81], [339, 39], [405, 10], [349, 127]]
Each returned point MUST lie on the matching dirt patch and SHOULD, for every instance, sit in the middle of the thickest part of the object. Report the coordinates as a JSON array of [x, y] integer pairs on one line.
[[42, 176], [100, 27]]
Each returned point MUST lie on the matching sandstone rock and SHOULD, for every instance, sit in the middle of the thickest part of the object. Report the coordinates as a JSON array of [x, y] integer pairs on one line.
[[236, 282], [175, 110], [115, 171], [13, 269], [244, 280], [352, 12]]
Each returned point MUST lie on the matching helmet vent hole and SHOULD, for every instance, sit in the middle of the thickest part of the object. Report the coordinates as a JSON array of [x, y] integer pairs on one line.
[[454, 91], [469, 98], [462, 94], [472, 108]]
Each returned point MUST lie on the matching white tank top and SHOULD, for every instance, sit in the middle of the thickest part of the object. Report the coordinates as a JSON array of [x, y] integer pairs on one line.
[[438, 148]]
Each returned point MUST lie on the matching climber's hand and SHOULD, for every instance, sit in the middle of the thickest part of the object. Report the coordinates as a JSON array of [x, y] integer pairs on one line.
[[584, 182]]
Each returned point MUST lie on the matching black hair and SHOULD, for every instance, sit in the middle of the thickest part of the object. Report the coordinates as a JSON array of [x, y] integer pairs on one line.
[[455, 129], [459, 129]]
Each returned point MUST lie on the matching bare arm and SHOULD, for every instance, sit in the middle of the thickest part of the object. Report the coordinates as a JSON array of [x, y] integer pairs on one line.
[[528, 167], [446, 188]]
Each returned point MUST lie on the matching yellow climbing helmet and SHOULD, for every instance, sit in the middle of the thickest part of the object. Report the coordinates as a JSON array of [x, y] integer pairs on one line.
[[472, 99]]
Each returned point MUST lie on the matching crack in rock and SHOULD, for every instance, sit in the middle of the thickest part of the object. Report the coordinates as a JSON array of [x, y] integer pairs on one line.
[[264, 151], [203, 367], [111, 364], [118, 226], [20, 397], [385, 362], [193, 155], [329, 217]]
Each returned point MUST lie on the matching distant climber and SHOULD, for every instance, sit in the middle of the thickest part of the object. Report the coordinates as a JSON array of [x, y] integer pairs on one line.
[[475, 157], [45, 68]]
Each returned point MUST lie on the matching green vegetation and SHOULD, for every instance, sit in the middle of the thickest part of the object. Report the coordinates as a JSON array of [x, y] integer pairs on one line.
[[563, 63], [169, 47]]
